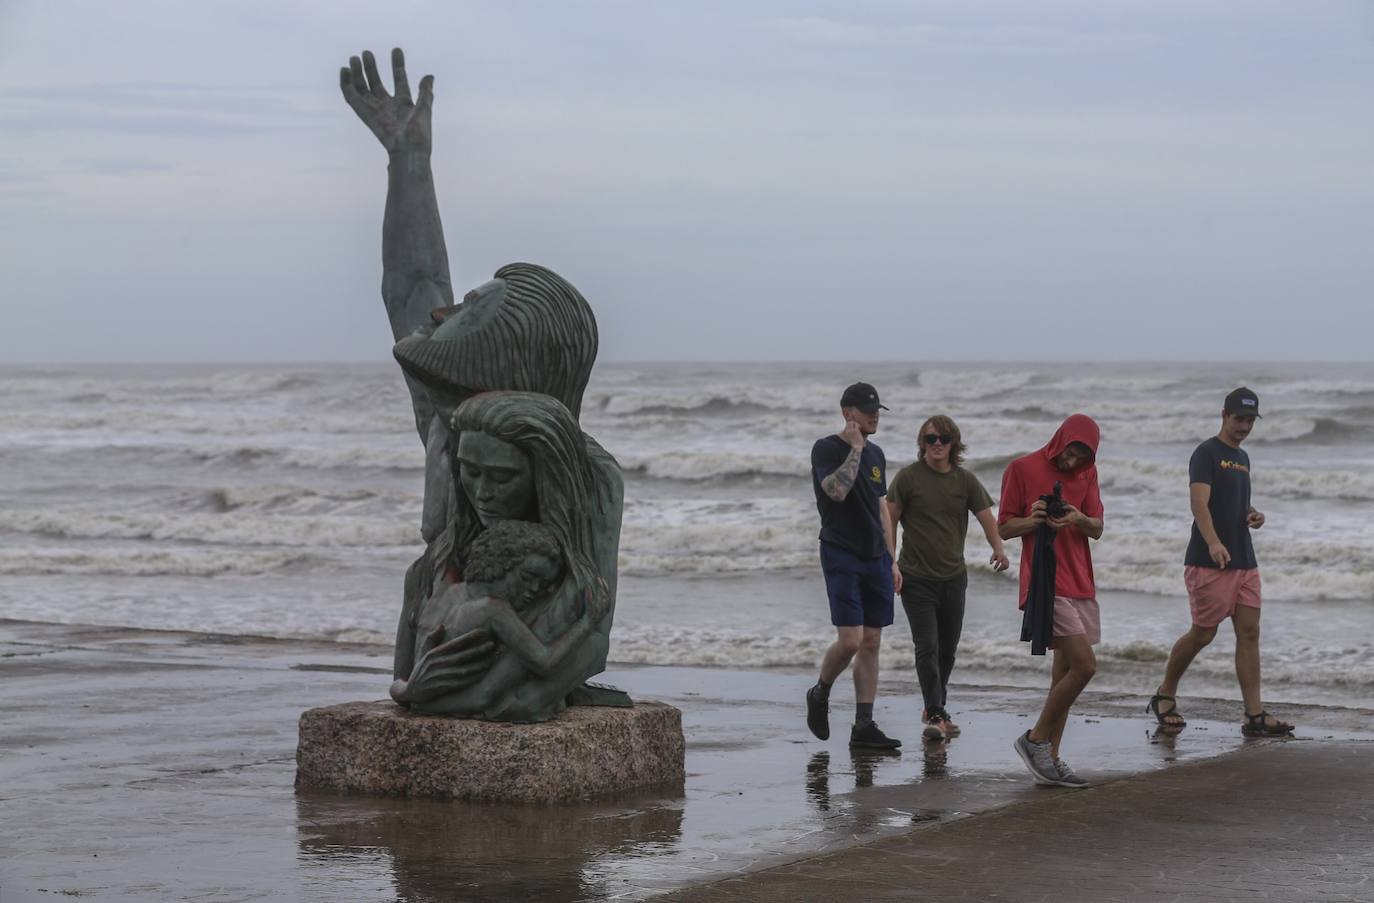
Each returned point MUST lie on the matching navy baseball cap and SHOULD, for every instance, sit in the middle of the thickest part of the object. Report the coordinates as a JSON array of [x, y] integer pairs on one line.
[[862, 396], [1242, 401]]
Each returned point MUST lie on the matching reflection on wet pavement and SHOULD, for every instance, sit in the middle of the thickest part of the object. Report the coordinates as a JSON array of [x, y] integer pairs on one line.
[[818, 781], [432, 850], [745, 806], [936, 758]]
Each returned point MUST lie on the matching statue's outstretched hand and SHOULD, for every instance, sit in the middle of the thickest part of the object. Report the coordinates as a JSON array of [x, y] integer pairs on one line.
[[402, 125]]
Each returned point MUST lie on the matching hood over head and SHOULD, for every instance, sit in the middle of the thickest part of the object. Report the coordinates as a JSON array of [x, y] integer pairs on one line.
[[1075, 428]]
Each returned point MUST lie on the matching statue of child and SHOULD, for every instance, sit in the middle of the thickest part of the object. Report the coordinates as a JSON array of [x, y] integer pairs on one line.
[[511, 568]]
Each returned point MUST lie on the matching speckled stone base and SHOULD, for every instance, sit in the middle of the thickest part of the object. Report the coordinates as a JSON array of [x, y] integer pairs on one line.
[[587, 751]]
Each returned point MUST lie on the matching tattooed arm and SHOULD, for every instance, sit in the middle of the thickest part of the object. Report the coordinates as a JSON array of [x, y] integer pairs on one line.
[[841, 480]]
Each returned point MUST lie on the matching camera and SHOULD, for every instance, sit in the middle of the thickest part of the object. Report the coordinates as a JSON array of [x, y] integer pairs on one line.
[[1054, 503]]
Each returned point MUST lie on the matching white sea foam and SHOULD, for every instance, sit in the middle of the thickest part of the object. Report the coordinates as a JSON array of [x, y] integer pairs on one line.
[[231, 529], [715, 465], [124, 562], [952, 383], [281, 499], [69, 424], [100, 452], [1153, 564], [1164, 480], [1130, 663], [713, 537], [736, 400], [153, 480], [1160, 478], [1141, 552]]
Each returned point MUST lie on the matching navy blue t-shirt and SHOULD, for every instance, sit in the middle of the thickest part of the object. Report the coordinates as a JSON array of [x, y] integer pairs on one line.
[[1227, 471], [856, 523]]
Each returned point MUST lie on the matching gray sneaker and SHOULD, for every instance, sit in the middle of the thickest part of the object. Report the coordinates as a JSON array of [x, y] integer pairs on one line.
[[1066, 776], [1038, 759]]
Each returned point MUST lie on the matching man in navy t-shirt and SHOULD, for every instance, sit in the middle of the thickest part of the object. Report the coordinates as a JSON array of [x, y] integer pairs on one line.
[[1219, 568], [849, 475]]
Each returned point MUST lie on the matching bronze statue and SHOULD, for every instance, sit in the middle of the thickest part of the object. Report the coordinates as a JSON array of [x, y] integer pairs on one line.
[[496, 383]]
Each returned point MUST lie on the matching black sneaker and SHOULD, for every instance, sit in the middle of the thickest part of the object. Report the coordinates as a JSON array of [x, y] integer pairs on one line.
[[869, 736], [818, 714]]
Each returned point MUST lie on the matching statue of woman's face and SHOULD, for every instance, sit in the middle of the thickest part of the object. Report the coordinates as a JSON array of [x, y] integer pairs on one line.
[[497, 478], [480, 306]]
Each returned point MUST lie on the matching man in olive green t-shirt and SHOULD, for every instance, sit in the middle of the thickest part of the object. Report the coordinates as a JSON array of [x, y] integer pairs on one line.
[[932, 499]]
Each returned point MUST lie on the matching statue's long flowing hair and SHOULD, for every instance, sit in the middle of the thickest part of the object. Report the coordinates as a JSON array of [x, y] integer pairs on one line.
[[542, 337], [567, 491]]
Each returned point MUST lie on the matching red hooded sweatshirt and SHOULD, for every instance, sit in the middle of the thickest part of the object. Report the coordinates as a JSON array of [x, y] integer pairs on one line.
[[1031, 476]]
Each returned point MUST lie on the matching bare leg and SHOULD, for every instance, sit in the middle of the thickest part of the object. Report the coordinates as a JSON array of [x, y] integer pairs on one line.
[[1246, 621], [1058, 671], [837, 657], [1079, 666], [866, 665], [1181, 656]]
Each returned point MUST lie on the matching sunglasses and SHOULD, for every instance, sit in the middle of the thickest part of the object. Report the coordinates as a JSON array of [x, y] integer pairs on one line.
[[933, 438]]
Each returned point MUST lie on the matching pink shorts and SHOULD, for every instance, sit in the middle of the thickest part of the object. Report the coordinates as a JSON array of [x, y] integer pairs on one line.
[[1213, 593], [1077, 617]]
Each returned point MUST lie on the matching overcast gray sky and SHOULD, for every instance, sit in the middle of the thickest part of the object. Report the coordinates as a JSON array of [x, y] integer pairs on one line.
[[1063, 179]]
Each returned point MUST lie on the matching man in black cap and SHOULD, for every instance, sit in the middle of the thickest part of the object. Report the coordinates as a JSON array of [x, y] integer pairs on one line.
[[849, 475], [1220, 569]]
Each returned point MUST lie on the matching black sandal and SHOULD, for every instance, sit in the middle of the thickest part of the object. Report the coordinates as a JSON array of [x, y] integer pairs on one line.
[[1153, 707], [1259, 726]]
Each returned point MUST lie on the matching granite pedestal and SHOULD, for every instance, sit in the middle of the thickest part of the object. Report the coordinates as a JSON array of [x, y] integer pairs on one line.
[[585, 752]]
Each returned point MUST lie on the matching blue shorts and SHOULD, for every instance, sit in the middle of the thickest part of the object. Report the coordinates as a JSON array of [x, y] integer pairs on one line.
[[860, 589]]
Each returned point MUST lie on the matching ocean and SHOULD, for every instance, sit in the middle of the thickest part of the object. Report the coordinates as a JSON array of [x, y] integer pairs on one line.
[[284, 500]]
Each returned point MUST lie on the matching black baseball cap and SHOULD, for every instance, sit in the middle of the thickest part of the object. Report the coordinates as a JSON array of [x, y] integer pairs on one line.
[[1242, 401], [862, 396]]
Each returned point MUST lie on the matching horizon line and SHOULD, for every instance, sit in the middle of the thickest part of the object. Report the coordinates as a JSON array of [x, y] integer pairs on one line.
[[709, 360]]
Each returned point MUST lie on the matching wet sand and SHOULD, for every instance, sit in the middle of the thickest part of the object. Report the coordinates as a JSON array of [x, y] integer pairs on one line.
[[143, 765]]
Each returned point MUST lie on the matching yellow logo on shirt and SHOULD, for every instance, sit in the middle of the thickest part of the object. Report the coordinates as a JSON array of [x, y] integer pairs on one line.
[[1233, 465], [877, 475]]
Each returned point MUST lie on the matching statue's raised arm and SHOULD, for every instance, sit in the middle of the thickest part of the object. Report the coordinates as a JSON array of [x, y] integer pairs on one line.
[[415, 275]]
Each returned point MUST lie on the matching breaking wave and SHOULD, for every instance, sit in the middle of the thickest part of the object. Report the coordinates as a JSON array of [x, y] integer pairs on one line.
[[1325, 431], [720, 467], [1132, 664], [226, 528], [206, 562], [713, 406], [399, 457]]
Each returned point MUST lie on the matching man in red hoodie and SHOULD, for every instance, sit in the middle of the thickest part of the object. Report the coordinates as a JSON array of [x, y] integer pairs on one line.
[[1068, 459]]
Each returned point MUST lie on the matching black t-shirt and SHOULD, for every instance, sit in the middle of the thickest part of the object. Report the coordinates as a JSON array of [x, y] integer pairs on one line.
[[1227, 471], [856, 523]]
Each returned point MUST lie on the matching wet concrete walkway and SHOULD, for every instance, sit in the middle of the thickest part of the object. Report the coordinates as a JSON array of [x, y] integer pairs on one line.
[[1286, 821], [141, 765]]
